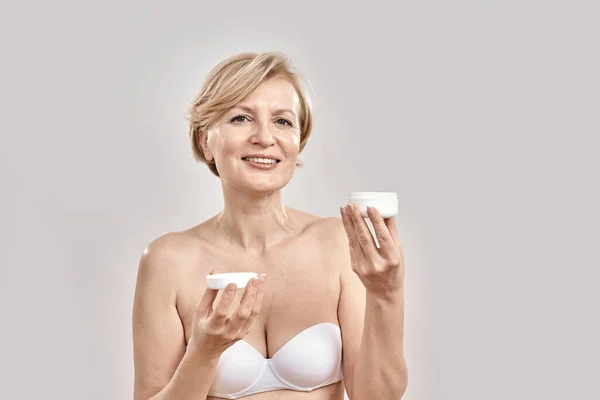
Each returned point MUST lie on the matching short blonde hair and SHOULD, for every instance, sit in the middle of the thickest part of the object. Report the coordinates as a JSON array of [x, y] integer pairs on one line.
[[232, 80]]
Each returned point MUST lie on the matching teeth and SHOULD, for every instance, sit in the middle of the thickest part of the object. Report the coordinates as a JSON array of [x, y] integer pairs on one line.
[[261, 160]]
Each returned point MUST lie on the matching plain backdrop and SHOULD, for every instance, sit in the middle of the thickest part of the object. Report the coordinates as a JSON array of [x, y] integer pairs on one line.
[[482, 115]]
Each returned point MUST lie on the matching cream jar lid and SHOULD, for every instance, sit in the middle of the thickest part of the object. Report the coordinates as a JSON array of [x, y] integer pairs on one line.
[[373, 195], [220, 281]]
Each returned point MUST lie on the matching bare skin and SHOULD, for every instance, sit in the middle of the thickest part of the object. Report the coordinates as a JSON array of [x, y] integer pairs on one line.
[[307, 263], [306, 259]]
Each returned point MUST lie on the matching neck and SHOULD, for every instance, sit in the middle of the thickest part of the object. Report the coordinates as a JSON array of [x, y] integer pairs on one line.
[[253, 222]]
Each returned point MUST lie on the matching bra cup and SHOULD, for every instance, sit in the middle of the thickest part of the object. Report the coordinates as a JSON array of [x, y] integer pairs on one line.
[[311, 358], [238, 368]]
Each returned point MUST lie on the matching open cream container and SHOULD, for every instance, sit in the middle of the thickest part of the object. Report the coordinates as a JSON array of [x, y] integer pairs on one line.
[[385, 202], [220, 281]]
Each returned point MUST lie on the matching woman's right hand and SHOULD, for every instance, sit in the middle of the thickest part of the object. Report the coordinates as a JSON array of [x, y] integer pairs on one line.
[[214, 331]]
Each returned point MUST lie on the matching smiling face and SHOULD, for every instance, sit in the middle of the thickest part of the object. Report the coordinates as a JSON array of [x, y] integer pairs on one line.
[[255, 144]]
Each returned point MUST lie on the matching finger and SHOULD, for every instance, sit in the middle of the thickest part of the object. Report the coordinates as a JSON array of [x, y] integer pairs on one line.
[[363, 234], [391, 225], [356, 252], [385, 239], [244, 310], [221, 312], [347, 222], [204, 306], [245, 328]]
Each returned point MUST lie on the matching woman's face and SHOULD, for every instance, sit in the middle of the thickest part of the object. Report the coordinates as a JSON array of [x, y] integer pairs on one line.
[[255, 145]]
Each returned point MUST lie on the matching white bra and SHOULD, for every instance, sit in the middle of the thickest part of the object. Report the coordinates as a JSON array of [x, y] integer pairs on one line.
[[310, 360]]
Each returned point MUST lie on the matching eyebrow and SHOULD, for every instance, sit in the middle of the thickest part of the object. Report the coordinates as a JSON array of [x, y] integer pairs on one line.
[[276, 111]]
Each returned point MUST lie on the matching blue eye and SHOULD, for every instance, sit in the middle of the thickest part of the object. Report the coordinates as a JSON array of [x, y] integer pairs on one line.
[[239, 118], [283, 121]]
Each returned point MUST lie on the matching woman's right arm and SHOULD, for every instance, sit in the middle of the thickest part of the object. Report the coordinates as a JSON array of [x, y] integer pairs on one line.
[[164, 369]]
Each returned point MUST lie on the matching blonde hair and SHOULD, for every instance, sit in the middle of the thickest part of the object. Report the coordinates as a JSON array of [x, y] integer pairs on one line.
[[232, 80]]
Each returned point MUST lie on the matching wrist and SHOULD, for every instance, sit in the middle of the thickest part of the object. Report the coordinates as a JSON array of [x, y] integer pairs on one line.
[[388, 295], [205, 357]]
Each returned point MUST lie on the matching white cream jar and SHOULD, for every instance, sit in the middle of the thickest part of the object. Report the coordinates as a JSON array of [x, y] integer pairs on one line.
[[385, 202], [220, 281]]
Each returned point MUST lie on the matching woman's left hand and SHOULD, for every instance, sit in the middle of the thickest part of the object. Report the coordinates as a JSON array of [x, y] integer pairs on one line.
[[381, 270]]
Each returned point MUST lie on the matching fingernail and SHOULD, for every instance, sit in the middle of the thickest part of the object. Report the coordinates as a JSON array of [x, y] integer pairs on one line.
[[343, 211], [254, 282], [231, 287]]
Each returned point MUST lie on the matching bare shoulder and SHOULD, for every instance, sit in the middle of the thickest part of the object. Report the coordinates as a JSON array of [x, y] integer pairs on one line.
[[167, 257], [330, 232], [166, 251]]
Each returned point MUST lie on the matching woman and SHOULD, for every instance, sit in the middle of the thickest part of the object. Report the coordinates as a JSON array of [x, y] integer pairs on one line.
[[326, 313]]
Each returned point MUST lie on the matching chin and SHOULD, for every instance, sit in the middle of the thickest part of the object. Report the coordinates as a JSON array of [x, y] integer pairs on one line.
[[264, 187], [259, 182]]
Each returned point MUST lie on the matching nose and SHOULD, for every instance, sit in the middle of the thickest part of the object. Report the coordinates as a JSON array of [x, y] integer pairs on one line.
[[263, 135]]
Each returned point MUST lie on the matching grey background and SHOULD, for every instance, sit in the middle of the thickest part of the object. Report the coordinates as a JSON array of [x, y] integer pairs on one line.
[[482, 115]]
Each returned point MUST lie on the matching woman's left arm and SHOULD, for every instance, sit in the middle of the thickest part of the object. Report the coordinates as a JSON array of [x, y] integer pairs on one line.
[[375, 366]]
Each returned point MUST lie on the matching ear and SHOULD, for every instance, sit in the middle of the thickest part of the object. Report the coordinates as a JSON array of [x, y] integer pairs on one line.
[[203, 141]]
